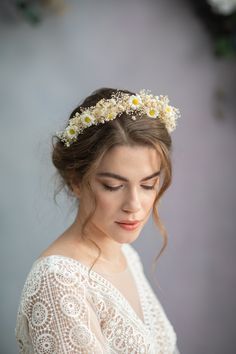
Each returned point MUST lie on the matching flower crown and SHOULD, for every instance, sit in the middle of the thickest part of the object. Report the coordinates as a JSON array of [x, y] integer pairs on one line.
[[108, 109]]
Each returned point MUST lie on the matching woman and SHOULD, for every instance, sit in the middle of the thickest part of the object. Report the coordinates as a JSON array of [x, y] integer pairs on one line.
[[87, 292]]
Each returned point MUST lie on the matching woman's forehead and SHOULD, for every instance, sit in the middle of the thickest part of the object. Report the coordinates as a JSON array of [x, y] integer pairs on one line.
[[142, 159]]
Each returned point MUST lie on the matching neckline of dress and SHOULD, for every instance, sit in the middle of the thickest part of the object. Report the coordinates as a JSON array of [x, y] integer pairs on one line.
[[110, 285], [87, 267]]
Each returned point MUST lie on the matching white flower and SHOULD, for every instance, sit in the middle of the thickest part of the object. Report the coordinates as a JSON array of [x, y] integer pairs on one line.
[[113, 101], [87, 119], [171, 125], [111, 115], [152, 112], [224, 7], [71, 131], [168, 110], [135, 101]]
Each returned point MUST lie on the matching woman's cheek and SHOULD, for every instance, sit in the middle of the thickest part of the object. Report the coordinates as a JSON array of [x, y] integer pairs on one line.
[[152, 199], [105, 200]]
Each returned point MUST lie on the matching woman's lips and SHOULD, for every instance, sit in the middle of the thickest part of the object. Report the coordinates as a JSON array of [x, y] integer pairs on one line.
[[129, 227]]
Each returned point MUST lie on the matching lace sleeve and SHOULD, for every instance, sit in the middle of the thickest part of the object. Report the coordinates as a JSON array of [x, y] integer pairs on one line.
[[59, 316]]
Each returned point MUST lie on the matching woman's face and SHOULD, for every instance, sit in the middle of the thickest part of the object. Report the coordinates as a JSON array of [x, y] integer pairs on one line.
[[125, 185]]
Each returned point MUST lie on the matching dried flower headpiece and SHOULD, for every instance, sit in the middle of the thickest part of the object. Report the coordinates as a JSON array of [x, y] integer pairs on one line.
[[108, 109]]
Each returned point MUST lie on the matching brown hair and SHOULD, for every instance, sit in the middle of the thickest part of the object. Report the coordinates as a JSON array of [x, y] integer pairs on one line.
[[75, 164]]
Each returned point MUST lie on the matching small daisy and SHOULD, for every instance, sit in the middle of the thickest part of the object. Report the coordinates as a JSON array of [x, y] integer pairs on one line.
[[71, 131], [152, 112], [168, 109], [135, 101], [111, 115], [87, 119]]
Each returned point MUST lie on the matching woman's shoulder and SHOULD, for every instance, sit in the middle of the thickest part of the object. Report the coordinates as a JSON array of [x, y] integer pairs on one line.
[[52, 274], [52, 261], [55, 288], [55, 265], [49, 265]]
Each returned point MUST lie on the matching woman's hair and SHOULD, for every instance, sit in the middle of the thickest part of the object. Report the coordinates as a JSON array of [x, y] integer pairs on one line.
[[76, 164]]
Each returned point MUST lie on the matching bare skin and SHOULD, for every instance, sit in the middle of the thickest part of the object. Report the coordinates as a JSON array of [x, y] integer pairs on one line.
[[131, 200], [70, 244]]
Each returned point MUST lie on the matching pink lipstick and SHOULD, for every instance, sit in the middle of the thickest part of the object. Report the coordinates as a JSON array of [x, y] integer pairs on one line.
[[130, 226]]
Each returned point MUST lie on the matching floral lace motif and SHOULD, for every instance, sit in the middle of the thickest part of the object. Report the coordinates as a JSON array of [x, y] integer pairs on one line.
[[65, 310]]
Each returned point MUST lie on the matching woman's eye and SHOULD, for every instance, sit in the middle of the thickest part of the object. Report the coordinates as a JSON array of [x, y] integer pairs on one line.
[[110, 188], [149, 187]]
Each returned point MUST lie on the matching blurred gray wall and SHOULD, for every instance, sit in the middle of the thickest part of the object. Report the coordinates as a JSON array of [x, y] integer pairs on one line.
[[160, 45]]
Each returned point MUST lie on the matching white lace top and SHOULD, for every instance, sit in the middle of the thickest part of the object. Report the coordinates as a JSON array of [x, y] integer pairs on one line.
[[63, 309]]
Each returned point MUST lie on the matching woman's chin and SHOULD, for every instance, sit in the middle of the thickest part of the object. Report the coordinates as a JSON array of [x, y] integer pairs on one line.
[[128, 238]]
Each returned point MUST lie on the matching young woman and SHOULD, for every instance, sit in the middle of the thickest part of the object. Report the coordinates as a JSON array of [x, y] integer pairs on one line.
[[87, 292]]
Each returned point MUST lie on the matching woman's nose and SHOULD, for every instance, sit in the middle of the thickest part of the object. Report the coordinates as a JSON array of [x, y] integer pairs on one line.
[[132, 201]]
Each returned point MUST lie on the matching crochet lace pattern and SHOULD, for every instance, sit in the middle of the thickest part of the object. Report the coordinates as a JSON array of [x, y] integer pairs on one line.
[[64, 309]]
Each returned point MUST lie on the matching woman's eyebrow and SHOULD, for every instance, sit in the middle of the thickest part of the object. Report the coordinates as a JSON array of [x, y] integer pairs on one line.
[[121, 178]]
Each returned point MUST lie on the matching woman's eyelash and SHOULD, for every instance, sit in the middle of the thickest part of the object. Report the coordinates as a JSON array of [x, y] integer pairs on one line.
[[118, 187]]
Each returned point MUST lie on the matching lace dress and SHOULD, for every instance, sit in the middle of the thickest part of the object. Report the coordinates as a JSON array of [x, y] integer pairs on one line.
[[63, 309]]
